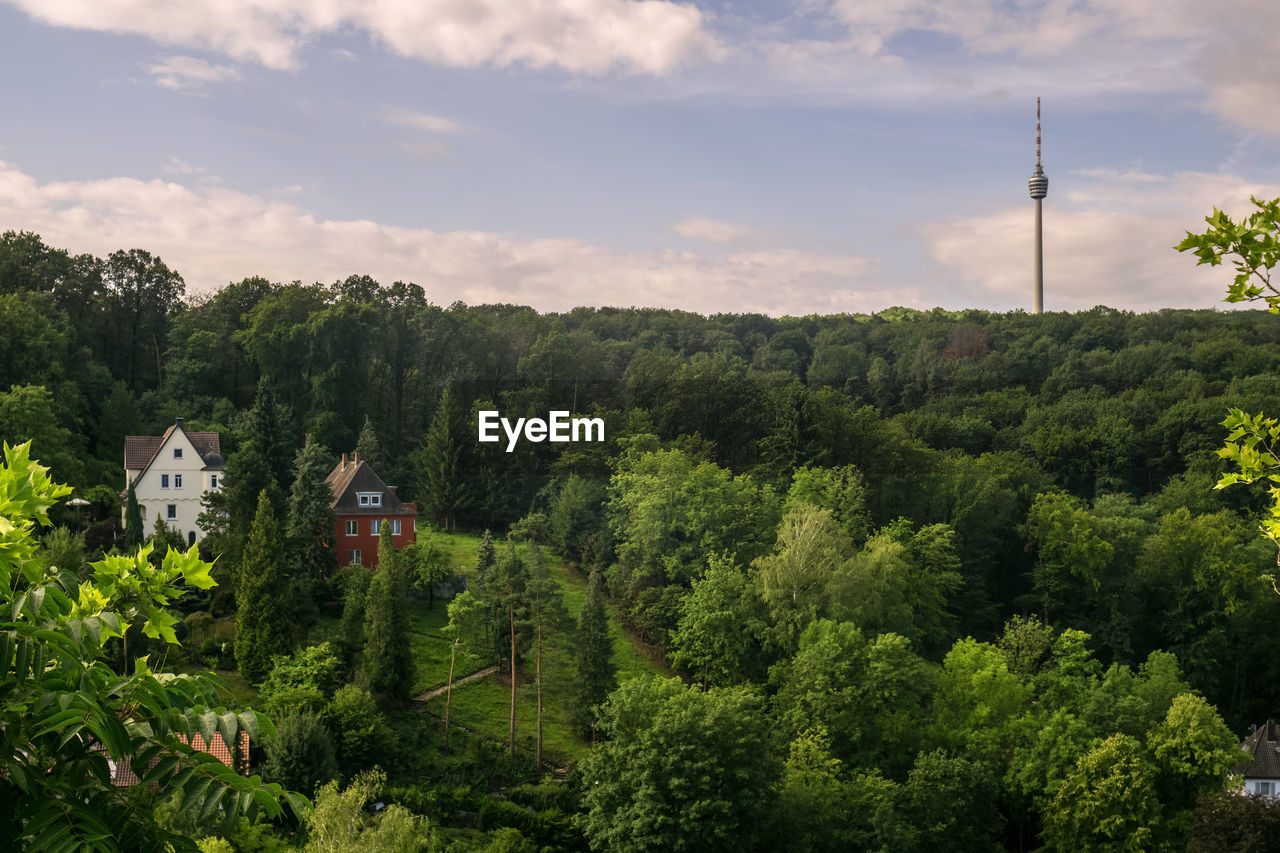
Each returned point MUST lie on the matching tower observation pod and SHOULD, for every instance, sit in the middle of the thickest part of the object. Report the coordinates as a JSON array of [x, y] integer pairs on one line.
[[1039, 186]]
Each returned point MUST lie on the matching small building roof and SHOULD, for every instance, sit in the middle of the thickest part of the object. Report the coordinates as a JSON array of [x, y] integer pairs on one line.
[[351, 477], [140, 450], [1263, 743]]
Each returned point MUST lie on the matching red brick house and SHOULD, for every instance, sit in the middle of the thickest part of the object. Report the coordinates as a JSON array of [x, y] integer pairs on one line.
[[123, 775], [361, 501]]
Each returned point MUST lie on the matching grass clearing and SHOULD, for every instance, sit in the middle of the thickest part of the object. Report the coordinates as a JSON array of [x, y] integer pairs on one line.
[[484, 705]]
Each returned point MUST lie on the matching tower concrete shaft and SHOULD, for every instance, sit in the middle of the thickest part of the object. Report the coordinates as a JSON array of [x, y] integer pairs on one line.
[[1039, 264]]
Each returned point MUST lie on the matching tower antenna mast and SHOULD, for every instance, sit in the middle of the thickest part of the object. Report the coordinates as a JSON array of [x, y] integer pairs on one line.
[[1039, 186]]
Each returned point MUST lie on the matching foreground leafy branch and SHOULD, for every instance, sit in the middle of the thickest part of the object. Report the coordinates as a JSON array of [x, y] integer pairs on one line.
[[66, 718], [1253, 245]]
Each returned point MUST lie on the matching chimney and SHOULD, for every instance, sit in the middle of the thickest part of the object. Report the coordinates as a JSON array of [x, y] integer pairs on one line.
[[355, 458], [344, 462], [392, 489], [177, 422]]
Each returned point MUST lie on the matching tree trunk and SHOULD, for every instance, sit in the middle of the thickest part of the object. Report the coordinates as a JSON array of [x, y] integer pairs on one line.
[[511, 611], [448, 693], [537, 757]]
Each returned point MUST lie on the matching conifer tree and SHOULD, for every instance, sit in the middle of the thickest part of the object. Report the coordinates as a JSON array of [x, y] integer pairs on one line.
[[596, 673], [267, 425], [544, 603], [311, 519], [388, 662], [263, 624], [509, 588], [248, 476], [442, 490], [368, 448], [353, 613], [485, 559], [133, 533]]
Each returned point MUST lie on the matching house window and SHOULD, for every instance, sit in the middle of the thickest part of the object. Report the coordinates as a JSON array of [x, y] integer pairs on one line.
[[164, 481], [213, 481], [370, 499], [177, 481], [395, 527], [177, 453], [352, 527], [1266, 789], [171, 512], [353, 558], [375, 526]]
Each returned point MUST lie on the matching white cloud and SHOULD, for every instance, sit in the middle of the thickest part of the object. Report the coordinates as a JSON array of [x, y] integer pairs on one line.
[[178, 166], [427, 149], [586, 36], [423, 121], [186, 73], [714, 231], [213, 235], [1107, 241]]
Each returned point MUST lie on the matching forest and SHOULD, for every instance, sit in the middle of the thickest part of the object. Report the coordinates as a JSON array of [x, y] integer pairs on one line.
[[913, 580]]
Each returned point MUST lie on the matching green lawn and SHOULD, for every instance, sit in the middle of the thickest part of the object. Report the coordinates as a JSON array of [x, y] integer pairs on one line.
[[484, 704]]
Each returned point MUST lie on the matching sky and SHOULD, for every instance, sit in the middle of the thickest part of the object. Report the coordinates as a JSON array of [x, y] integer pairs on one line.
[[814, 156]]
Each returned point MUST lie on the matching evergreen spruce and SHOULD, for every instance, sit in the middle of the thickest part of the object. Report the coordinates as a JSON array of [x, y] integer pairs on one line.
[[133, 532], [368, 449], [248, 476], [351, 639], [267, 426], [442, 491], [311, 519], [263, 624], [388, 661], [597, 675]]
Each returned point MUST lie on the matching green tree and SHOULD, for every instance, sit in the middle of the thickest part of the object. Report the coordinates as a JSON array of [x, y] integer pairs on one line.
[[134, 534], [388, 659], [1107, 803], [340, 822], [368, 448], [575, 516], [360, 735], [800, 581], [720, 629], [595, 673], [508, 587], [311, 520], [466, 624], [263, 623], [65, 714], [30, 413], [354, 604], [442, 488], [545, 609], [301, 756], [681, 769], [426, 565]]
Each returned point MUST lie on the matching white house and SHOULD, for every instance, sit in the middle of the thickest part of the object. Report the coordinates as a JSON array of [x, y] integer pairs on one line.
[[170, 473], [1262, 773]]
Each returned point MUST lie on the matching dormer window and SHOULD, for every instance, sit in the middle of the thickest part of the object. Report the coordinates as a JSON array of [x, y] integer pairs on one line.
[[370, 498], [177, 453]]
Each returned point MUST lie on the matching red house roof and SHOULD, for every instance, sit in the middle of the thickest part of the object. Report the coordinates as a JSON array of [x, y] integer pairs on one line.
[[353, 477]]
